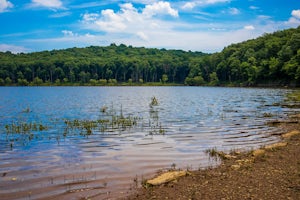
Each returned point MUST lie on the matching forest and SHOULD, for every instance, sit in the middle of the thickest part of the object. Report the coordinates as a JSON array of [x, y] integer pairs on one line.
[[269, 60]]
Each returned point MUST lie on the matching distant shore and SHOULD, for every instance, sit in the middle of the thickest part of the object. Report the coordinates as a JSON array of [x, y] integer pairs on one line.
[[156, 84]]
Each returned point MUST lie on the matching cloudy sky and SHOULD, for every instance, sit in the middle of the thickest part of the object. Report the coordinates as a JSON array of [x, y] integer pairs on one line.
[[197, 25]]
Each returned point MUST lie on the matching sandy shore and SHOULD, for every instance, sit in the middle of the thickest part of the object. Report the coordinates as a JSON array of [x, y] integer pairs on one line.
[[270, 173]]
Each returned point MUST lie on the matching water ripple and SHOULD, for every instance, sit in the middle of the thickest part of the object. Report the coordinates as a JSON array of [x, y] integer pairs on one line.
[[105, 164]]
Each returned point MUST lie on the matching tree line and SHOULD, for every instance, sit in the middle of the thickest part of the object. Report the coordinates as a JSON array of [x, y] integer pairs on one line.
[[272, 59]]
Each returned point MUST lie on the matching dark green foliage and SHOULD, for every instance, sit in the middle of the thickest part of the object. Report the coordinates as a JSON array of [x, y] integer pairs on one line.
[[93, 65], [272, 59]]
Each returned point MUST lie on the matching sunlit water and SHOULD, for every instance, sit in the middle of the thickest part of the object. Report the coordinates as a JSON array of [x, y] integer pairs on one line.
[[107, 164]]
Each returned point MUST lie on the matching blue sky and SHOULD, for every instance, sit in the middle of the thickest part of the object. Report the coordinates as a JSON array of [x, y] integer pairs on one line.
[[197, 25]]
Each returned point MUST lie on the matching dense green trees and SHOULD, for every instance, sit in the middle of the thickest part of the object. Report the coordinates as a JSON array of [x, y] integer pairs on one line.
[[269, 60], [272, 59], [95, 66]]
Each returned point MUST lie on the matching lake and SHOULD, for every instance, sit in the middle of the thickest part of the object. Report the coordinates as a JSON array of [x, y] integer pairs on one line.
[[75, 142]]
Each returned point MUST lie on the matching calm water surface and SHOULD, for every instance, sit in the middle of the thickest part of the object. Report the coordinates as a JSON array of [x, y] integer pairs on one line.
[[105, 164]]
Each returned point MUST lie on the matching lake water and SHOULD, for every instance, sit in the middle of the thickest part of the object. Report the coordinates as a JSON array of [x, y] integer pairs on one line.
[[64, 162]]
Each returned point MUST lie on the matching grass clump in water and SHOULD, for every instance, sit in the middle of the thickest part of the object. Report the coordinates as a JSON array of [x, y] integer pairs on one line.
[[24, 128], [109, 121], [153, 102], [214, 153]]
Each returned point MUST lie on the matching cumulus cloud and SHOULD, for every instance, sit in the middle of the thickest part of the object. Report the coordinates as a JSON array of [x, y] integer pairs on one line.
[[4, 5], [159, 8], [129, 19], [294, 19], [296, 14], [111, 21], [47, 3]]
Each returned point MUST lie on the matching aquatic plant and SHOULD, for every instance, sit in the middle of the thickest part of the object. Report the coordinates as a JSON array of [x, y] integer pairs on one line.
[[212, 152], [24, 128], [153, 102], [108, 121]]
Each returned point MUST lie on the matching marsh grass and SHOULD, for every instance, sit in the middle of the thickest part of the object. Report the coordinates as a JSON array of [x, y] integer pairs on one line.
[[214, 153], [24, 128], [154, 102], [109, 120]]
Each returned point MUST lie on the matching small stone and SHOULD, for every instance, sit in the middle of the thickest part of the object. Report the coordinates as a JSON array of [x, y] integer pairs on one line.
[[235, 167], [258, 152], [167, 177], [228, 156]]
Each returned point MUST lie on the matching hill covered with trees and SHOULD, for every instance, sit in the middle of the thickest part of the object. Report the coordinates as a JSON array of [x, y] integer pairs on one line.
[[272, 59]]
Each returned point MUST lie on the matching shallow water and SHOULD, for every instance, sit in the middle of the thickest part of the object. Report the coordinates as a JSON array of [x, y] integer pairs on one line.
[[106, 164]]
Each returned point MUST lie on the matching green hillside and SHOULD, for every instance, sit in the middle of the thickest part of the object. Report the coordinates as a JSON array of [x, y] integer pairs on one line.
[[272, 59]]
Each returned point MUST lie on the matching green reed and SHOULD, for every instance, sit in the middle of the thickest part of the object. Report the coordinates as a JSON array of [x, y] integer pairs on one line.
[[109, 120], [24, 127]]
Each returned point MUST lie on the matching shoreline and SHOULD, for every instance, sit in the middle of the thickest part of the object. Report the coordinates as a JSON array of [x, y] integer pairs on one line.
[[160, 85], [271, 172]]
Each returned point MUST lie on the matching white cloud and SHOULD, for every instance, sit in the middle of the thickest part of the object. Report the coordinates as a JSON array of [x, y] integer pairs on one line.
[[192, 4], [234, 11], [12, 48], [294, 19], [47, 3], [128, 19], [159, 8], [189, 5], [68, 33], [296, 14], [4, 5], [293, 22], [142, 35], [249, 27], [110, 21], [90, 17]]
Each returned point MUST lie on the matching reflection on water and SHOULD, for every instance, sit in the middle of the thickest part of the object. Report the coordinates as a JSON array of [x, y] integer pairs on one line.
[[107, 162]]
